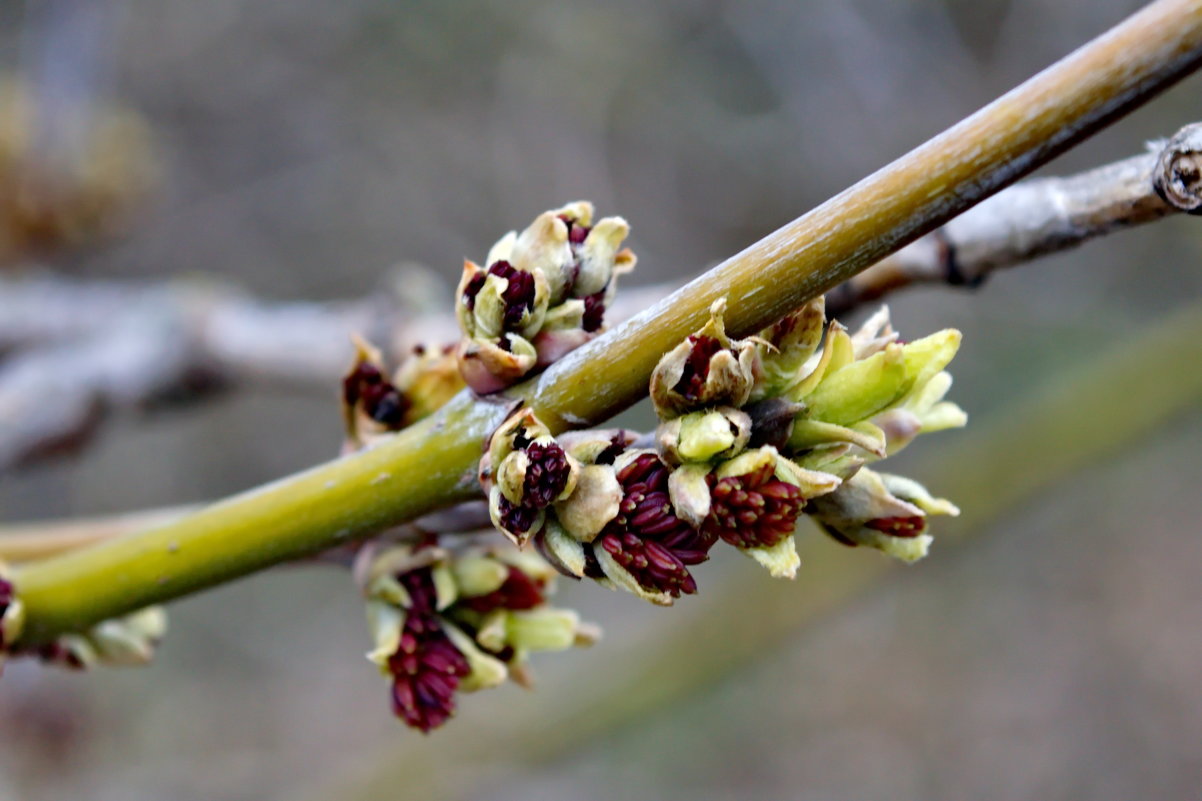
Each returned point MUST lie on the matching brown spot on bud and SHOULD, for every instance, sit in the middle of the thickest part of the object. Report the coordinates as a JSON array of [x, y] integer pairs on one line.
[[6, 598], [594, 312]]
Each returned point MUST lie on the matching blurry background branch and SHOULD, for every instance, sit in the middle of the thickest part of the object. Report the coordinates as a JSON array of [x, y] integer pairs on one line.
[[79, 351]]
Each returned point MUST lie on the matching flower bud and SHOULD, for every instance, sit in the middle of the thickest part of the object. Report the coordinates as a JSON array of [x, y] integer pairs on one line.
[[488, 366], [428, 378], [885, 512], [500, 299], [426, 660], [703, 436], [646, 549], [707, 369], [372, 406], [543, 294], [525, 471], [129, 640], [756, 500]]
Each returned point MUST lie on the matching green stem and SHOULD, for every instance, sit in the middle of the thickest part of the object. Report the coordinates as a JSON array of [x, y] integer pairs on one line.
[[433, 463]]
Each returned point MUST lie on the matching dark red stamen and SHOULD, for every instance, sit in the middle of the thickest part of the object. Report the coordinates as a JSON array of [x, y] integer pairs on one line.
[[379, 399], [517, 518], [907, 526], [753, 510], [426, 667], [646, 537], [547, 475]]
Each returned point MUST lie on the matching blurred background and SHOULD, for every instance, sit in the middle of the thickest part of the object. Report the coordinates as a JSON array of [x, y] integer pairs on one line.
[[302, 150]]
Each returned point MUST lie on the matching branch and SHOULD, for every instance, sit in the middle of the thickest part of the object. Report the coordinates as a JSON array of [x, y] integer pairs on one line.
[[194, 340], [432, 464], [1038, 217]]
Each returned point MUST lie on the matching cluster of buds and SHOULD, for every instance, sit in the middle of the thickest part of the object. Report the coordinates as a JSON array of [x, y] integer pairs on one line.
[[128, 641], [446, 622], [764, 429], [727, 479], [861, 398], [595, 507], [375, 405], [753, 434], [541, 293]]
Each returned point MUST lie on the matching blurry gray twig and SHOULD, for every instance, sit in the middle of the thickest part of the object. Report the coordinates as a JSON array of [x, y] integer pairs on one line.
[[77, 351]]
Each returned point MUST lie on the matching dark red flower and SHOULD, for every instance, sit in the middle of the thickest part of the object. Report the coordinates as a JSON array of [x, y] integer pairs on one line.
[[753, 510], [367, 387], [646, 537], [518, 295], [547, 475], [426, 667]]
